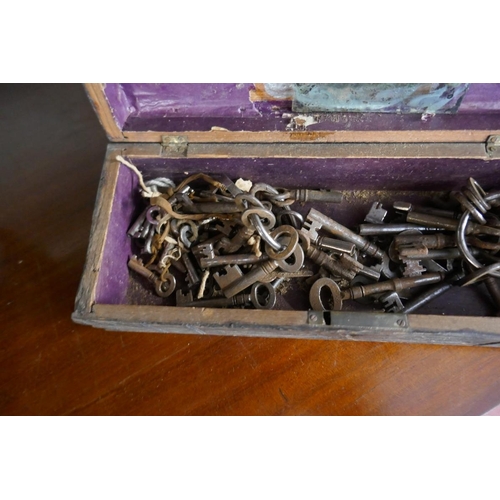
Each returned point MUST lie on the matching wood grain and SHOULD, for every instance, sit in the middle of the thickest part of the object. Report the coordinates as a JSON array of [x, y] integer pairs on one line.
[[95, 93], [53, 150], [362, 136]]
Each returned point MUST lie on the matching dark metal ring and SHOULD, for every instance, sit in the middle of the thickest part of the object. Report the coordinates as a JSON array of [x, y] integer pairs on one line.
[[284, 253], [461, 241], [298, 261], [315, 295], [243, 199], [165, 288], [261, 213], [255, 297]]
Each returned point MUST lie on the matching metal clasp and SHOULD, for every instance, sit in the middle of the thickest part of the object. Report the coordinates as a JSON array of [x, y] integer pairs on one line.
[[174, 145]]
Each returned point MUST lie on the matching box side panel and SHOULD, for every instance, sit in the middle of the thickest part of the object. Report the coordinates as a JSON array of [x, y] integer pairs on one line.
[[105, 300], [98, 236], [450, 330]]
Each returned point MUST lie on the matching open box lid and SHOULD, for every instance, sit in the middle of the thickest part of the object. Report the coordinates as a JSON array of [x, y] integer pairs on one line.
[[302, 113]]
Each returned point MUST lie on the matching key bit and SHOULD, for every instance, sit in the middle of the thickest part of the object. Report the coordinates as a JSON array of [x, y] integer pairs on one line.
[[203, 251], [227, 276], [412, 268], [391, 302], [310, 229], [342, 232], [376, 214], [225, 226]]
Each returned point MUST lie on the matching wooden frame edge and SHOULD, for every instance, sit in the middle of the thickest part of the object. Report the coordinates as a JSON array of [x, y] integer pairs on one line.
[[345, 136], [422, 329], [332, 150], [100, 224], [97, 97]]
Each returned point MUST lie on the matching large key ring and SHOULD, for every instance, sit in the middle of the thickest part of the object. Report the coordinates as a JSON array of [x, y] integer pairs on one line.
[[462, 243]]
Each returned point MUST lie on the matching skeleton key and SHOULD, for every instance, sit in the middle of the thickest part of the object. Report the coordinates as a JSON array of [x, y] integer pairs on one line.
[[341, 231], [240, 259], [162, 288], [396, 285], [262, 270]]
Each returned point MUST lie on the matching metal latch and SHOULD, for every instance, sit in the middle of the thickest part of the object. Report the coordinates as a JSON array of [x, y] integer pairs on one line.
[[493, 146], [355, 321], [174, 145]]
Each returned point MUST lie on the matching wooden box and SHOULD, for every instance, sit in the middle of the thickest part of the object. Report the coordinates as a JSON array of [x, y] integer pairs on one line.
[[239, 129]]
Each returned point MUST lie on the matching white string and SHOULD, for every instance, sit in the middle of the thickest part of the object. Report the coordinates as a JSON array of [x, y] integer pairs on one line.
[[146, 192], [203, 284]]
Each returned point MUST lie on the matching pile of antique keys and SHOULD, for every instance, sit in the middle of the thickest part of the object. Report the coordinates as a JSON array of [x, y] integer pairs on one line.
[[238, 244]]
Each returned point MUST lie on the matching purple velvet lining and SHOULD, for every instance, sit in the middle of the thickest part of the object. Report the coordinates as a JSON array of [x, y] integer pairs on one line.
[[185, 107], [113, 274], [344, 173], [481, 98], [422, 174], [119, 103], [166, 100]]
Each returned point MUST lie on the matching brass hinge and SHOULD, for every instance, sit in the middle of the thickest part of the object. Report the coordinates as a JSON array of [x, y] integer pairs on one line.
[[493, 146], [174, 145]]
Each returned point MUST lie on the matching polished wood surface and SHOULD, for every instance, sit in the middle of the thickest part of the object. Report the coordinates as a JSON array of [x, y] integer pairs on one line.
[[52, 153]]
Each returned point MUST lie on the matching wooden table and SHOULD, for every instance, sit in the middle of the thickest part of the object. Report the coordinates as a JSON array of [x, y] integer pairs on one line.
[[52, 153]]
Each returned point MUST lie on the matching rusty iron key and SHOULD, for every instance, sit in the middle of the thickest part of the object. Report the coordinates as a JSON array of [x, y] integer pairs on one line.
[[344, 233], [396, 285]]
